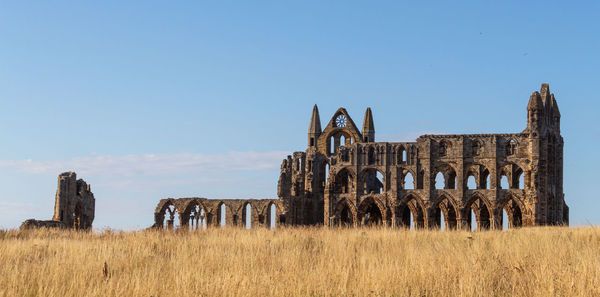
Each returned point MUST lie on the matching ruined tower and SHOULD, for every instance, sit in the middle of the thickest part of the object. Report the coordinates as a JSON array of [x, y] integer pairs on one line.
[[74, 205]]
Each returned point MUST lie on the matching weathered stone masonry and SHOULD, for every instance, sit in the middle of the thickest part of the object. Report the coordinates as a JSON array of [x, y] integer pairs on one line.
[[345, 178], [74, 205], [349, 192], [192, 213]]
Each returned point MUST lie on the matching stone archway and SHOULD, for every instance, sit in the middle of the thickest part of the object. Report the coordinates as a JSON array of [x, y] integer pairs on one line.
[[370, 212]]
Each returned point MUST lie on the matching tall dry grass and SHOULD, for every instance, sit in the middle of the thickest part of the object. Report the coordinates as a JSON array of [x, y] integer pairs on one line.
[[302, 262]]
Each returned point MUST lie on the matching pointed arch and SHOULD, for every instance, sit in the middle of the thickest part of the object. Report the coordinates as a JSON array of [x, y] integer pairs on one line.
[[411, 211], [482, 210], [272, 215], [165, 214], [471, 178], [400, 155], [518, 178], [407, 180], [371, 212], [345, 214], [448, 173], [484, 180], [512, 147], [196, 214], [503, 180], [248, 212], [514, 209], [446, 206]]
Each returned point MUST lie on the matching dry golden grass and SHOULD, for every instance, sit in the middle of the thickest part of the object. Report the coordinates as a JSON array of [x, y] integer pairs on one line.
[[302, 262]]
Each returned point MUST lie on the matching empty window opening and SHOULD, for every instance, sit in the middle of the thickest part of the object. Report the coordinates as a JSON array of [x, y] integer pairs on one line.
[[343, 141], [486, 183], [380, 179], [521, 181], [407, 218], [440, 183], [451, 184], [444, 215], [442, 221], [203, 219], [409, 182], [331, 145], [326, 174], [175, 220], [411, 215], [471, 184], [473, 220], [514, 216], [223, 213], [504, 220], [272, 216], [401, 156], [504, 182], [171, 218], [196, 219], [511, 148], [248, 216]]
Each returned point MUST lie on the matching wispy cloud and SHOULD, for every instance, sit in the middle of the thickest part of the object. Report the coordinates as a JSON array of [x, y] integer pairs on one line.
[[152, 164]]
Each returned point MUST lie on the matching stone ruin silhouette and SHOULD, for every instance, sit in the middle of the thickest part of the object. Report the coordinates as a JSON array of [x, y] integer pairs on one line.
[[345, 178], [74, 205]]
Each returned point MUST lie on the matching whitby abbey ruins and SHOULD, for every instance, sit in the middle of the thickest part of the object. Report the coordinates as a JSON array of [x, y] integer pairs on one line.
[[346, 178]]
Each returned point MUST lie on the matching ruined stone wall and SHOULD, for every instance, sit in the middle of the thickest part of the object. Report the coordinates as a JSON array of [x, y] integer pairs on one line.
[[74, 205], [389, 183], [196, 213]]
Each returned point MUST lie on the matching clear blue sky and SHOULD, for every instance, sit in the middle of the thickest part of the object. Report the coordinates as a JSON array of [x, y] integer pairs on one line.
[[155, 99]]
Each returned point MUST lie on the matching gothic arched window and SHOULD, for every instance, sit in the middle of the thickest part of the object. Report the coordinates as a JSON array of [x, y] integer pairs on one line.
[[511, 147]]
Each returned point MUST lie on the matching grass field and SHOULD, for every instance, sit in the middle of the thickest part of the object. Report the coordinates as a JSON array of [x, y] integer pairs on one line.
[[302, 262]]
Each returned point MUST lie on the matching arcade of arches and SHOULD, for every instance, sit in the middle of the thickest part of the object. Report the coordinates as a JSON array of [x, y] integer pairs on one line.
[[478, 181], [346, 178]]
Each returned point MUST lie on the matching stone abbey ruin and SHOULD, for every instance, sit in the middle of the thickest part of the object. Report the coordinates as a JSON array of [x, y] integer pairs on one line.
[[74, 205], [345, 178]]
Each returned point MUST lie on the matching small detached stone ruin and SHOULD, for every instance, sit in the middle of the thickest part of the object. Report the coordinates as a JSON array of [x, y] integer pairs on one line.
[[74, 205]]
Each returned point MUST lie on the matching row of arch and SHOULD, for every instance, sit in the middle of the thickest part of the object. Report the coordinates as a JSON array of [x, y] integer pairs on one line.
[[445, 178], [411, 212], [444, 147], [200, 213]]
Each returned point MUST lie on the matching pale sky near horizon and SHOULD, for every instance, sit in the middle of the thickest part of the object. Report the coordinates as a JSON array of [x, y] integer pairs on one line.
[[151, 99]]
